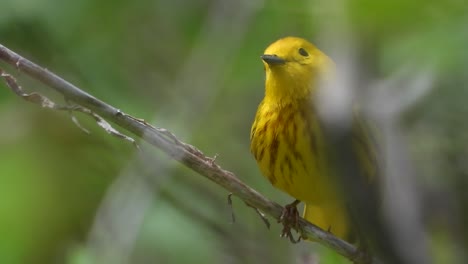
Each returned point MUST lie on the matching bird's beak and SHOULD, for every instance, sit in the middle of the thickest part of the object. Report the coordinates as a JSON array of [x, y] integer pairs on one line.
[[272, 59]]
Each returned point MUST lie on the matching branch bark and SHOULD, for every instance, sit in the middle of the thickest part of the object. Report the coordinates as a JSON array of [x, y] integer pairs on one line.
[[186, 154]]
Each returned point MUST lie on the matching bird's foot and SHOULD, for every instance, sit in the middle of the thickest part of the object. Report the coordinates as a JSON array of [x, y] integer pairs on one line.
[[290, 220]]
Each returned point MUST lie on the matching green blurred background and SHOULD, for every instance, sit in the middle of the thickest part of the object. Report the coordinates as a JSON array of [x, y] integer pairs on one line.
[[193, 67]]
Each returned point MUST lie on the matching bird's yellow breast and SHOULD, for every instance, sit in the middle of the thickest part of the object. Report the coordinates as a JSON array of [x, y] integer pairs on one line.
[[287, 143]]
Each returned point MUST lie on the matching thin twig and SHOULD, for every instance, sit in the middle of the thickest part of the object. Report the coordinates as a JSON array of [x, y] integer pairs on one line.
[[261, 215], [186, 154], [45, 102], [233, 216]]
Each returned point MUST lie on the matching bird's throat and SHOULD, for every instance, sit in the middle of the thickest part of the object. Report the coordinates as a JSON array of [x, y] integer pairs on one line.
[[284, 89]]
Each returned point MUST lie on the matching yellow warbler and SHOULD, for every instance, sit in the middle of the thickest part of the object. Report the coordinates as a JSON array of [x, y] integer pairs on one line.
[[287, 138]]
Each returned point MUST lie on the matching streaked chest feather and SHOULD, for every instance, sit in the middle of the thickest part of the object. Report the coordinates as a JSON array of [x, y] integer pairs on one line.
[[287, 144]]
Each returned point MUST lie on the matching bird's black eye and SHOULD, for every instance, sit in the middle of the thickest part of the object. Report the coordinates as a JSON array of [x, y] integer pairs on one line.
[[303, 52]]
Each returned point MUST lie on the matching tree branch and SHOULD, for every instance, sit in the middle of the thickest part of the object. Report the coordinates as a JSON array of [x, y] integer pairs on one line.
[[178, 150]]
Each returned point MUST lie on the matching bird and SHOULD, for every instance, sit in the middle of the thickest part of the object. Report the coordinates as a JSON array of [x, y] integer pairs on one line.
[[287, 137]]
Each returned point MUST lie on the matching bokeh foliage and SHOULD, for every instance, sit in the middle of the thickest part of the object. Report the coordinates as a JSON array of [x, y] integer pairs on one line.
[[193, 67]]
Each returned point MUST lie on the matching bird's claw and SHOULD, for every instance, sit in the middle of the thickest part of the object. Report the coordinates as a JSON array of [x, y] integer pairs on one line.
[[290, 220]]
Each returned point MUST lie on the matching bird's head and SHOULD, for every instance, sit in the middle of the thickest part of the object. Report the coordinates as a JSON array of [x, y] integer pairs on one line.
[[293, 68]]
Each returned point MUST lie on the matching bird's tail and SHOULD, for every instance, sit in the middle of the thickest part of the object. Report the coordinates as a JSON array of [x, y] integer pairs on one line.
[[332, 218]]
